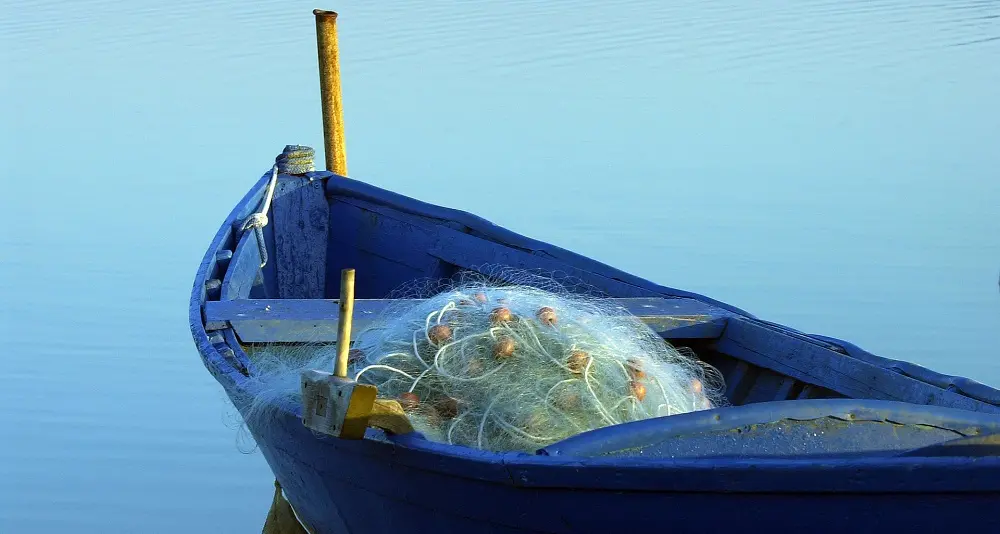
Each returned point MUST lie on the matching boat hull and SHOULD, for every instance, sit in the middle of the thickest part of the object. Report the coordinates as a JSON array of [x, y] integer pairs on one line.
[[380, 484], [370, 486]]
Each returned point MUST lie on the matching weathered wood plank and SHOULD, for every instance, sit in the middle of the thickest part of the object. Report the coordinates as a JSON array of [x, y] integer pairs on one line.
[[480, 255], [807, 392], [222, 257], [244, 268], [213, 288], [423, 244], [301, 228], [785, 389], [738, 381], [766, 385], [499, 236], [315, 320], [385, 251], [816, 364], [269, 273]]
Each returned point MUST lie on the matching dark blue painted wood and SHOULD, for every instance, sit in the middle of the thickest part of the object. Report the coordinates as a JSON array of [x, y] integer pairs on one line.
[[739, 380], [402, 215], [480, 255], [784, 390], [345, 188], [815, 364], [213, 288], [384, 251], [975, 446], [406, 482], [269, 273], [766, 386], [215, 267], [350, 188], [789, 429], [234, 352], [223, 257], [372, 486], [958, 384], [301, 218], [315, 320], [221, 369], [244, 269]]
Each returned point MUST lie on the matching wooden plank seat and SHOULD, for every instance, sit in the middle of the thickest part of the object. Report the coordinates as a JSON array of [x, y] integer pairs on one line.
[[315, 320]]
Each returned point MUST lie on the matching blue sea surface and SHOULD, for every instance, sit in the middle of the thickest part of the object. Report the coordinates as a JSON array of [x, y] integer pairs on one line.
[[831, 165]]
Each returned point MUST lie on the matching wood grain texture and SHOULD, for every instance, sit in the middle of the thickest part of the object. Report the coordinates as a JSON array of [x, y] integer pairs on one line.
[[301, 230], [480, 255], [472, 224], [269, 273], [400, 244], [385, 251], [244, 269], [766, 385]]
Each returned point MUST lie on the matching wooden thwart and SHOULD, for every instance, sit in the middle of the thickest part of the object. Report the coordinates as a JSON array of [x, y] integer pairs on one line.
[[315, 320]]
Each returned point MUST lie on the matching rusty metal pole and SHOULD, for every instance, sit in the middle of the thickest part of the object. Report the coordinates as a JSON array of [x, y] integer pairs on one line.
[[329, 85]]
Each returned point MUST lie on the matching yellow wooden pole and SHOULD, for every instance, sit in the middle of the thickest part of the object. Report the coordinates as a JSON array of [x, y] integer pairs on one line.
[[329, 85], [344, 321]]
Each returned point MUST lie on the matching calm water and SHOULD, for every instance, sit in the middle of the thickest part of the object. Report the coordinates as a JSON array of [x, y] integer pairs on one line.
[[827, 164]]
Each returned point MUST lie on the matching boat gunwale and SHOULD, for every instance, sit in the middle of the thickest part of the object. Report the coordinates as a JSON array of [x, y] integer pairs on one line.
[[753, 475]]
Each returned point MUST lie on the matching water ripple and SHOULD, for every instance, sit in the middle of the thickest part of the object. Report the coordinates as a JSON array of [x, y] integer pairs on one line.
[[827, 163]]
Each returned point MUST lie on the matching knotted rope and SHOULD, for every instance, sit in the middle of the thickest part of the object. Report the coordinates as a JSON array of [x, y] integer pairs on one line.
[[294, 159]]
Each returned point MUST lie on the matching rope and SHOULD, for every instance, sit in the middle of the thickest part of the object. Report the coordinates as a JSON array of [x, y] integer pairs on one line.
[[257, 221], [294, 159]]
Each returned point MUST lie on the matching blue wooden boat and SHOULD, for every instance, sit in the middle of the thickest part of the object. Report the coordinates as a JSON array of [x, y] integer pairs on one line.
[[821, 435]]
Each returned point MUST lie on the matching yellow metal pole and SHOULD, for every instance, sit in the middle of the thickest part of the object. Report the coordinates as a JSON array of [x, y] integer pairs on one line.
[[344, 321], [329, 85]]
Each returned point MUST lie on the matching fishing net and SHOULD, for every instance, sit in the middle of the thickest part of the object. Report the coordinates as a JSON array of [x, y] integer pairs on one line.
[[512, 366]]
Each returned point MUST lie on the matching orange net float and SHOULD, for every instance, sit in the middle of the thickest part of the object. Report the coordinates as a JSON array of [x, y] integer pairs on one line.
[[409, 401], [439, 334], [547, 315], [638, 390], [504, 348], [501, 315], [577, 361], [634, 368]]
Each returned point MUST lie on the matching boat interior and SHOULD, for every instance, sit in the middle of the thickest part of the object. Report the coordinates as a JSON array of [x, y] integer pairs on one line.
[[789, 393]]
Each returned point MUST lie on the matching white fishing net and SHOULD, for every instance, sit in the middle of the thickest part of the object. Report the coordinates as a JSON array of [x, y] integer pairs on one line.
[[509, 367]]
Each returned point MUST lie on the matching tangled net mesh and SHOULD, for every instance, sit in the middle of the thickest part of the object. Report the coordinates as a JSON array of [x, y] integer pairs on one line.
[[507, 367]]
